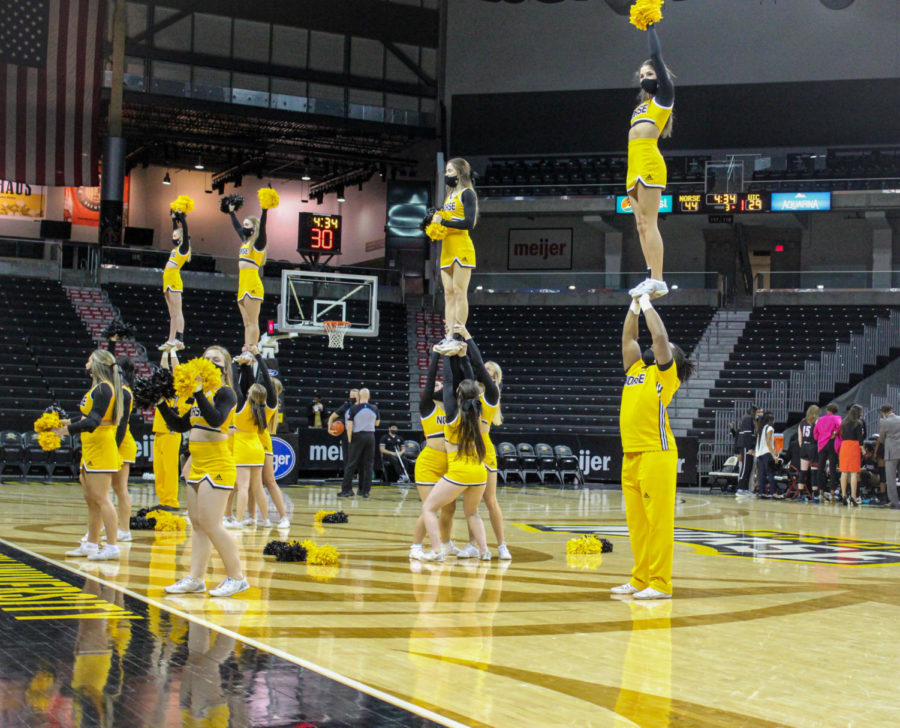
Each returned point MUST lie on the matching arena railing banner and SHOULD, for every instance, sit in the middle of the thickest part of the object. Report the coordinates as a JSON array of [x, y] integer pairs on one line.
[[600, 456]]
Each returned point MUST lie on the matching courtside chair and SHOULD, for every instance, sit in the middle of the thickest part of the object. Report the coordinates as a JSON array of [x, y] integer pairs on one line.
[[508, 463], [567, 465], [528, 462], [12, 453], [546, 459], [40, 461]]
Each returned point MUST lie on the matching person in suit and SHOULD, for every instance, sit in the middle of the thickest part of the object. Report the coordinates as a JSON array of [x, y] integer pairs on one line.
[[889, 439]]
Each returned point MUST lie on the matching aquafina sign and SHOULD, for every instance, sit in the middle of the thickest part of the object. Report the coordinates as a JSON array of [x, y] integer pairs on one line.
[[283, 456]]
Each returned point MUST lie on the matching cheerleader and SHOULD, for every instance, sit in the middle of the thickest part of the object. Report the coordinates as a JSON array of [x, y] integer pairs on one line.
[[166, 450], [647, 175], [490, 376], [211, 479], [265, 437], [173, 288], [459, 214], [431, 465], [127, 450], [249, 423], [465, 464], [103, 408], [251, 258]]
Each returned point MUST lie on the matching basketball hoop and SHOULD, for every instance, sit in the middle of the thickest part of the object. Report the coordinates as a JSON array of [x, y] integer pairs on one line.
[[336, 331]]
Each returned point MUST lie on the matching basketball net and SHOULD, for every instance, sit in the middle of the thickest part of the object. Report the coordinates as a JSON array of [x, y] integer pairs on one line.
[[336, 331]]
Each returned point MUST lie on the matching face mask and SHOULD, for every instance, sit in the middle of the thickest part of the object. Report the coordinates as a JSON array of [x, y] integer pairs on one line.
[[451, 181], [649, 85], [248, 230], [648, 357]]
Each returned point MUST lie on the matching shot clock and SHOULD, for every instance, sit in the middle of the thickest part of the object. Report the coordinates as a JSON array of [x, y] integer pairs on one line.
[[319, 234]]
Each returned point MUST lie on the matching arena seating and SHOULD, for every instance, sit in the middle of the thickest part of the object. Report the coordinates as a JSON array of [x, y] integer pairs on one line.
[[306, 365], [777, 340], [562, 365]]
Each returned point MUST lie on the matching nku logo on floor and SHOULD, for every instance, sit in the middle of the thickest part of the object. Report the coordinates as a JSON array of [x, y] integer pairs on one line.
[[761, 544], [284, 457]]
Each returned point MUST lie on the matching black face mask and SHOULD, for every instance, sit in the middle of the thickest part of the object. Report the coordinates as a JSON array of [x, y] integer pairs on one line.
[[649, 85], [451, 181], [248, 231], [648, 357]]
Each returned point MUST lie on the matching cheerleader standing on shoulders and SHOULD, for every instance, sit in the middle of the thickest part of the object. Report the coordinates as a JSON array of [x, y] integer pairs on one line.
[[103, 408], [173, 287], [459, 215], [249, 423], [210, 481], [647, 175]]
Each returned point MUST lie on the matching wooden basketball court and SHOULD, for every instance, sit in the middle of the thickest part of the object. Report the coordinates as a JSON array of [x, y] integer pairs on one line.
[[784, 614]]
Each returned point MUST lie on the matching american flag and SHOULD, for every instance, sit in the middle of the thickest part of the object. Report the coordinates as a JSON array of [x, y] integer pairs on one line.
[[50, 64]]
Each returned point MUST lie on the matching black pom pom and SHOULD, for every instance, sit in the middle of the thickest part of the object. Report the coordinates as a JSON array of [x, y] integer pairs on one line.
[[229, 200], [285, 550], [339, 517], [426, 221], [59, 410], [164, 383], [148, 391], [607, 546], [140, 522], [117, 330]]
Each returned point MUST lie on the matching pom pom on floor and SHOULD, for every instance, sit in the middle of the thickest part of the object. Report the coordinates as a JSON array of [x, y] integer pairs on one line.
[[140, 522], [268, 198], [645, 13], [323, 555], [321, 514], [339, 517], [286, 550], [588, 545], [166, 521]]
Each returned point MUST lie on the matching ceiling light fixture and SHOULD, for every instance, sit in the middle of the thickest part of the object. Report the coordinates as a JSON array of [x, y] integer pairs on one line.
[[167, 180]]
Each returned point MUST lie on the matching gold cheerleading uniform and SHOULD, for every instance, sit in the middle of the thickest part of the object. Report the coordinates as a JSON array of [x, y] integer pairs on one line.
[[649, 472], [249, 282], [487, 417], [462, 469], [166, 447], [99, 452], [211, 461], [457, 246], [172, 271], [128, 448], [645, 162], [431, 465], [265, 436], [248, 447]]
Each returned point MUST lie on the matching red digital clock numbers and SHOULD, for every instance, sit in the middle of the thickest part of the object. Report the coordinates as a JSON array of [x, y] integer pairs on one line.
[[319, 234]]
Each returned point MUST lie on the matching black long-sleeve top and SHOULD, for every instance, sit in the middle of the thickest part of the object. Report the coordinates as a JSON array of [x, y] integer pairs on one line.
[[491, 390], [215, 413], [103, 394], [426, 402], [470, 205], [665, 90], [853, 431], [449, 391], [185, 245], [245, 380], [260, 243]]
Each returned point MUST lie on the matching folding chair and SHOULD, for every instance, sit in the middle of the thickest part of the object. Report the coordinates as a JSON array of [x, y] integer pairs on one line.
[[547, 462], [567, 465]]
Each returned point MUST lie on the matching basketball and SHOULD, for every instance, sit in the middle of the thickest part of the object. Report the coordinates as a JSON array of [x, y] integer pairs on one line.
[[337, 428]]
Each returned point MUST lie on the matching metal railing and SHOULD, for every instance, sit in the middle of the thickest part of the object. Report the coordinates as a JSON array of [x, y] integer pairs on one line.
[[542, 281], [825, 280]]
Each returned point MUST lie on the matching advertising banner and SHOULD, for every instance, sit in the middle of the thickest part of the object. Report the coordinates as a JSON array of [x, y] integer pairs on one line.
[[18, 199], [82, 205], [540, 249]]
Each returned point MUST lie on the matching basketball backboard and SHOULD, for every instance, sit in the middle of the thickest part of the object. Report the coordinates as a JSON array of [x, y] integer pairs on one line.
[[309, 298]]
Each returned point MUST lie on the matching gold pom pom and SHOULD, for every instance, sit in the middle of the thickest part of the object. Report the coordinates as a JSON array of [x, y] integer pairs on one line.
[[49, 440], [436, 232], [185, 375], [321, 514], [645, 13], [168, 522], [324, 555], [268, 198], [183, 407], [584, 545], [183, 203], [46, 422]]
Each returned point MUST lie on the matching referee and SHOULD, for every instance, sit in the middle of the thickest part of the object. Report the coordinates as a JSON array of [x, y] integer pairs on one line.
[[650, 455], [362, 419]]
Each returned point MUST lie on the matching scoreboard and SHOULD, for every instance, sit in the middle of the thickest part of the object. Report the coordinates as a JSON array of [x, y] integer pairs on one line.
[[737, 202]]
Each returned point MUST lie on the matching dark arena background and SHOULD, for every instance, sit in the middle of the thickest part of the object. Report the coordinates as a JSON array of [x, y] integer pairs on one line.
[[780, 224]]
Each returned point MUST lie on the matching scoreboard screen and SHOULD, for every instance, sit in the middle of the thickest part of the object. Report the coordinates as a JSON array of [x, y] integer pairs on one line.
[[716, 202], [319, 234]]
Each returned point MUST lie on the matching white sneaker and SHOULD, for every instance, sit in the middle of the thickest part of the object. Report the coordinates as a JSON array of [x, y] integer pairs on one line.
[[651, 593], [447, 346], [85, 549], [450, 549], [431, 556], [186, 585], [247, 522], [227, 520], [85, 537], [650, 286], [165, 347], [229, 587], [416, 551], [284, 522], [124, 536], [469, 552], [233, 524], [264, 524], [503, 552], [107, 553], [485, 555], [625, 588], [178, 345]]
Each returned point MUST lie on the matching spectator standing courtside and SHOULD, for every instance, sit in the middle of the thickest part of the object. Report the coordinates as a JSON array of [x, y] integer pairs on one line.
[[889, 439], [826, 430], [315, 413], [392, 449], [362, 419]]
